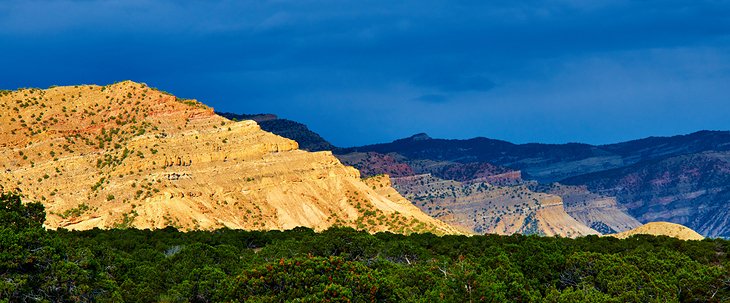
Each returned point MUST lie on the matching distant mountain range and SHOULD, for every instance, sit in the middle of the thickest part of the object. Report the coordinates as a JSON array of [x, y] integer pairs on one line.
[[551, 162], [610, 188]]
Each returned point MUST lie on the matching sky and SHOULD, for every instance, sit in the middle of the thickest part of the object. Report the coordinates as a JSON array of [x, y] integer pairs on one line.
[[363, 72]]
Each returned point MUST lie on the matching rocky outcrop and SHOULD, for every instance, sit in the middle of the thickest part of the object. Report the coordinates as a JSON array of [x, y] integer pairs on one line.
[[127, 155]]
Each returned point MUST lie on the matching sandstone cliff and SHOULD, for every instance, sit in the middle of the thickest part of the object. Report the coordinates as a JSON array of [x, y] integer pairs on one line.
[[127, 155]]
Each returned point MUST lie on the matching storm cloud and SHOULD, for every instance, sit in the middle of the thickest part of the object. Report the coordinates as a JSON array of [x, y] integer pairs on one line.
[[370, 71]]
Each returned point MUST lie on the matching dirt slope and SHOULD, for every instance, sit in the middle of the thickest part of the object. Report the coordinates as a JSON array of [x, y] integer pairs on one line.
[[662, 229]]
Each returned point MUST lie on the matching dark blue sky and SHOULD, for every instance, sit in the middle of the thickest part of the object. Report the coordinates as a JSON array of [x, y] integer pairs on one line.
[[372, 71]]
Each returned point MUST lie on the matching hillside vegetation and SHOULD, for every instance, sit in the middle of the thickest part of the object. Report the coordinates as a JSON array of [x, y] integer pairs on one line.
[[344, 265]]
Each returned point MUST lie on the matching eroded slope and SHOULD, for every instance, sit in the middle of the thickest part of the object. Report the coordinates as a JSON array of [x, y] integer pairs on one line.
[[485, 208], [601, 213]]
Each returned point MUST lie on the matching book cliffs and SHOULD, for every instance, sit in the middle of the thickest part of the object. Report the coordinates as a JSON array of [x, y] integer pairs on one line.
[[127, 155]]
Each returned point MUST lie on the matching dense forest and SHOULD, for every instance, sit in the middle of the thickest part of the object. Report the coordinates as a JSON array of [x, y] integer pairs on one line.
[[344, 265]]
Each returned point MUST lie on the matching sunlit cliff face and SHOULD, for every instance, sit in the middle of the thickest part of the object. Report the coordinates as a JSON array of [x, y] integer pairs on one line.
[[129, 155]]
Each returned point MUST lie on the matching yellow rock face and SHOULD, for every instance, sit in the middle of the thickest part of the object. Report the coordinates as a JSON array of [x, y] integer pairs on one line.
[[662, 229], [127, 155]]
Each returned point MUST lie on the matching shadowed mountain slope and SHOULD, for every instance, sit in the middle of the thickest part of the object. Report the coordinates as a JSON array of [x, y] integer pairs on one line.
[[550, 162]]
